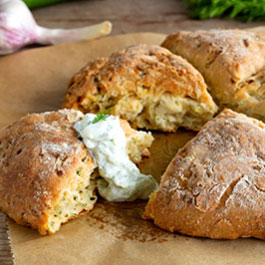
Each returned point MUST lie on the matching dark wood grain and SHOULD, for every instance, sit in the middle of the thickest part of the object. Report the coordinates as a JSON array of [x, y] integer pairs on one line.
[[5, 251]]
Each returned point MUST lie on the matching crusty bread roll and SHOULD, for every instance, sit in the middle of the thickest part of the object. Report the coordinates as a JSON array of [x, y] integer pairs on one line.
[[46, 171], [146, 85], [232, 63], [215, 185]]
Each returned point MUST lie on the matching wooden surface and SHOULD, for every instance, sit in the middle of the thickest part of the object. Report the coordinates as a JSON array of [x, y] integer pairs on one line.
[[5, 251], [163, 16]]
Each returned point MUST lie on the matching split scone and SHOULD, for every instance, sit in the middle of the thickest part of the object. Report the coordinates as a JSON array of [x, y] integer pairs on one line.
[[46, 171], [232, 63], [146, 85], [215, 185]]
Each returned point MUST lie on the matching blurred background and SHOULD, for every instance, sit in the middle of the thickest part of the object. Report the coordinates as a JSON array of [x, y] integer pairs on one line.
[[164, 16]]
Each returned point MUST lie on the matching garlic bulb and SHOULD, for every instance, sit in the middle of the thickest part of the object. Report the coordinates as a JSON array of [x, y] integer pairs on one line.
[[18, 28]]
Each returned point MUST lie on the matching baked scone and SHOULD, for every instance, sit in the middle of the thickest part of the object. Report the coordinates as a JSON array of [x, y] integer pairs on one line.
[[232, 63], [46, 171], [146, 85], [215, 185]]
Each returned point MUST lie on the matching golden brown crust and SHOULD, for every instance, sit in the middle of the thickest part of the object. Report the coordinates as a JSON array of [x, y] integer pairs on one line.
[[39, 155], [133, 83], [232, 63], [214, 186]]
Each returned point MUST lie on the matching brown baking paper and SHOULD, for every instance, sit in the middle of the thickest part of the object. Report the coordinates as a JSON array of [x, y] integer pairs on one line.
[[112, 233]]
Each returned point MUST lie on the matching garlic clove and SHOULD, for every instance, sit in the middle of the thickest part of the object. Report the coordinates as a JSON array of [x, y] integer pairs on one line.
[[56, 36], [18, 28]]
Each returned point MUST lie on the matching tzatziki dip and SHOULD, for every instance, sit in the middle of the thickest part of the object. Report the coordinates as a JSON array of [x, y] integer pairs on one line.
[[120, 179]]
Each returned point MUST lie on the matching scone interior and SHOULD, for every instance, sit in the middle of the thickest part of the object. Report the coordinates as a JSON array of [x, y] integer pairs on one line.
[[214, 186], [250, 96], [77, 197], [47, 176], [146, 85], [137, 142], [232, 63]]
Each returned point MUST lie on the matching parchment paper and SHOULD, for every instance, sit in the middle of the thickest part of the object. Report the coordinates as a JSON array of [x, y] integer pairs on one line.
[[35, 81]]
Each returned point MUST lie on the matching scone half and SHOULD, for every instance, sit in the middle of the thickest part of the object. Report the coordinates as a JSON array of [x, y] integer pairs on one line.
[[47, 175], [146, 85], [231, 61], [214, 186], [45, 171]]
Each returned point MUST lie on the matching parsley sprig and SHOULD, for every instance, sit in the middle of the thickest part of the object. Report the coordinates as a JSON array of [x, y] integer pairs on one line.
[[101, 116], [247, 10]]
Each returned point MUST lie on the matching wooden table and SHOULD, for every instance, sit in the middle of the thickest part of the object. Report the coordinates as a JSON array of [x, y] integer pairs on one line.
[[163, 16]]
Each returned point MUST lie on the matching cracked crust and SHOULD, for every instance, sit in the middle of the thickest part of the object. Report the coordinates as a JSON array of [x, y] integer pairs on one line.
[[146, 85], [39, 157], [214, 187], [232, 63]]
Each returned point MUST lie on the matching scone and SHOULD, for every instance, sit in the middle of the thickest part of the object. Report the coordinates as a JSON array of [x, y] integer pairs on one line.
[[232, 63], [215, 185], [47, 174], [146, 85]]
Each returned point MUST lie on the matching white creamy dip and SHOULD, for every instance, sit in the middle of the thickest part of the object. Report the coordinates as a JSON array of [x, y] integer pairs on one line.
[[121, 179]]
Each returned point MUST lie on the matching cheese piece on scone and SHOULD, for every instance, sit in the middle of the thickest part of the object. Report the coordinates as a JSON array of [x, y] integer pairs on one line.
[[46, 171], [232, 63], [215, 185], [146, 85]]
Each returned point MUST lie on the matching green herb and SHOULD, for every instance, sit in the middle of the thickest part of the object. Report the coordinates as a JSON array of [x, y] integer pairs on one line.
[[41, 3], [101, 116], [246, 10], [78, 171]]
